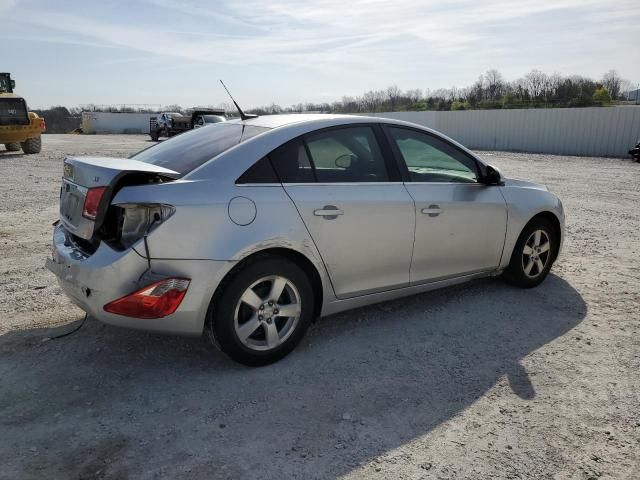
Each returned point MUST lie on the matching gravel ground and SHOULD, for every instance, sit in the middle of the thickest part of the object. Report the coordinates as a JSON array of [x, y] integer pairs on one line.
[[476, 381]]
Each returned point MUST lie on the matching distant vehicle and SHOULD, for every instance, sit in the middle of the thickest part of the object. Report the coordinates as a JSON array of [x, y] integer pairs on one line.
[[19, 128], [635, 152], [204, 120], [248, 230], [169, 124]]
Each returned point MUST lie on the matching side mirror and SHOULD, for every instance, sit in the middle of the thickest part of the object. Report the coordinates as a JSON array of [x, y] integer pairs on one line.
[[493, 176]]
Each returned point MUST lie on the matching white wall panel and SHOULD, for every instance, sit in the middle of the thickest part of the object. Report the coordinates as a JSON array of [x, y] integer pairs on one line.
[[597, 131], [107, 122]]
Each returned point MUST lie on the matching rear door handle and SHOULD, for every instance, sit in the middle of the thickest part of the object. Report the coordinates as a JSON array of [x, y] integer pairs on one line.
[[432, 210], [329, 212]]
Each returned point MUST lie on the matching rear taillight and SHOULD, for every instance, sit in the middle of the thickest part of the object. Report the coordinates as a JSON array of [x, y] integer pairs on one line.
[[92, 202], [43, 125], [153, 301]]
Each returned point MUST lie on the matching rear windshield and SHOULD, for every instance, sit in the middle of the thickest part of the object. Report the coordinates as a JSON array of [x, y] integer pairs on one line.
[[187, 151]]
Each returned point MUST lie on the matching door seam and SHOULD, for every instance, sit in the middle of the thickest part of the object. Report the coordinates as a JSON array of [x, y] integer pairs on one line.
[[506, 226], [415, 226], [314, 242]]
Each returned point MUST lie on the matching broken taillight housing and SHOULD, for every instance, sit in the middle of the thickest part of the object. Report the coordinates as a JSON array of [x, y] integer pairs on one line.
[[139, 220], [92, 202], [153, 301]]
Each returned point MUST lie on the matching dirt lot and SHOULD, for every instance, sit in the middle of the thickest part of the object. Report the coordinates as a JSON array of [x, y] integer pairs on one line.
[[477, 381]]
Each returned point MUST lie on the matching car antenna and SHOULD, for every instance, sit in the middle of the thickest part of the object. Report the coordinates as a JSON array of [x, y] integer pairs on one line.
[[243, 116]]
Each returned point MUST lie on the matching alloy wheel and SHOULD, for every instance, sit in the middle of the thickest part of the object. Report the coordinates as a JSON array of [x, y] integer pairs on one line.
[[536, 253], [267, 313]]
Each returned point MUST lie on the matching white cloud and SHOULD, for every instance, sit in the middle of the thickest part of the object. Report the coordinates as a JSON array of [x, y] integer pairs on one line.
[[6, 4], [317, 33], [354, 45]]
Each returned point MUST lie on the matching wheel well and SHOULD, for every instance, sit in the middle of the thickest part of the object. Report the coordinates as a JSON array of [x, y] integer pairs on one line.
[[296, 257], [555, 223]]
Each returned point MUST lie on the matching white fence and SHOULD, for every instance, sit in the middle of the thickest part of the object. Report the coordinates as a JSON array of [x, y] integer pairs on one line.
[[599, 131], [107, 122]]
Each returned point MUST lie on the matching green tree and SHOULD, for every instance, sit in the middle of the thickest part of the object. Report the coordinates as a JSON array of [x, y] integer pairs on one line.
[[601, 96], [457, 105]]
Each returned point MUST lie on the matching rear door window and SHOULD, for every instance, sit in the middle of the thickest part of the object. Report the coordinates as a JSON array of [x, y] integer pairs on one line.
[[189, 150], [349, 154]]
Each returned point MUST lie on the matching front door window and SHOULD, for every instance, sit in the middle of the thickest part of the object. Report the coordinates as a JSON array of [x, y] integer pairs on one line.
[[430, 159]]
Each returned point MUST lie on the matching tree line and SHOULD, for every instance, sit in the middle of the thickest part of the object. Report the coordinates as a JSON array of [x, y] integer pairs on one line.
[[60, 119], [491, 91]]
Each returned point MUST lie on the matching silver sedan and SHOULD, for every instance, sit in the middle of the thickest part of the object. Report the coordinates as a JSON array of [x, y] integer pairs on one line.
[[248, 230]]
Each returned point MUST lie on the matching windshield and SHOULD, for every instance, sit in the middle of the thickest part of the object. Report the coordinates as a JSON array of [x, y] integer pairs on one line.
[[188, 151]]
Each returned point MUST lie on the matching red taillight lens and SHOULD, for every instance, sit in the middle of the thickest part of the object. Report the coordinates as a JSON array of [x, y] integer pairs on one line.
[[92, 202], [43, 125], [153, 301]]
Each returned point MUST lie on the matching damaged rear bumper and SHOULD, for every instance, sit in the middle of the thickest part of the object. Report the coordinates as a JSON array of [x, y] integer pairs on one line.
[[92, 281]]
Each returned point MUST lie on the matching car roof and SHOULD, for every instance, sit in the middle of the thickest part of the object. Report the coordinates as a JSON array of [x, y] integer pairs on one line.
[[304, 122], [275, 121], [309, 121], [280, 129]]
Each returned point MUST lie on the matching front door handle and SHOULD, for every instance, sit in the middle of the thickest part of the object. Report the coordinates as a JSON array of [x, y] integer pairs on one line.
[[432, 210], [329, 212]]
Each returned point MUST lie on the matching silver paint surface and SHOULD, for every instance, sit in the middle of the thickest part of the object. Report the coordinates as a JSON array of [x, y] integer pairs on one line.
[[382, 246]]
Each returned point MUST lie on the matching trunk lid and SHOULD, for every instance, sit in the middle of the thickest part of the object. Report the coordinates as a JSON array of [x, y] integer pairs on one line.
[[83, 173]]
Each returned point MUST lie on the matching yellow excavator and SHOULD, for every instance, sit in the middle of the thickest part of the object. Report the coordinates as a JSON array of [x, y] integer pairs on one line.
[[19, 128]]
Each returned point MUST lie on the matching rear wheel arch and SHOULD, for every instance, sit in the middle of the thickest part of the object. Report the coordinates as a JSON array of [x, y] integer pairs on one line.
[[296, 257]]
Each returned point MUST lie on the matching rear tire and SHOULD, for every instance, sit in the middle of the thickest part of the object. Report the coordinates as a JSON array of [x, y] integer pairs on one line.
[[12, 147], [32, 145], [533, 255], [154, 135], [248, 319]]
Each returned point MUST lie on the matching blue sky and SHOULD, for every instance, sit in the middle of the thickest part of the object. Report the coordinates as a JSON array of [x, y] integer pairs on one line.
[[287, 51]]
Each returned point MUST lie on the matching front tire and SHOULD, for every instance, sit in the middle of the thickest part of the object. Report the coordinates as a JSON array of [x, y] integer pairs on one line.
[[262, 312], [32, 145], [12, 147], [533, 255]]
